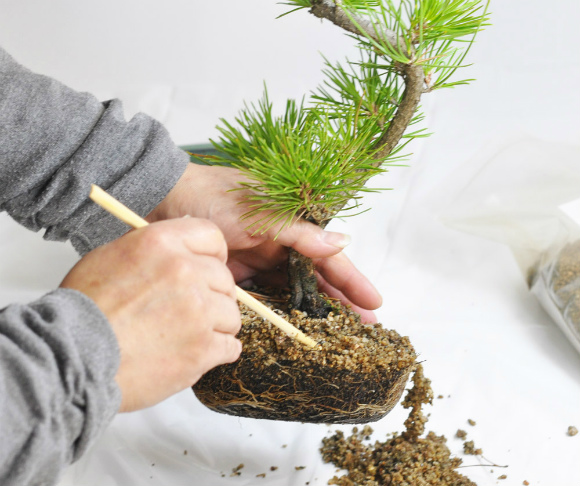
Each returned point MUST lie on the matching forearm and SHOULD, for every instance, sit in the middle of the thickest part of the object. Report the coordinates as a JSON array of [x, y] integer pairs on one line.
[[58, 360], [55, 142]]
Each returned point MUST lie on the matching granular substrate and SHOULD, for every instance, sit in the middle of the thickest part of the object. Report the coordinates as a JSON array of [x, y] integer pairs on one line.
[[356, 374], [562, 279], [405, 459]]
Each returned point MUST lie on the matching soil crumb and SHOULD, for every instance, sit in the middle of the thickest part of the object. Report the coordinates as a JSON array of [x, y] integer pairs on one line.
[[236, 471], [405, 459], [572, 431], [470, 449]]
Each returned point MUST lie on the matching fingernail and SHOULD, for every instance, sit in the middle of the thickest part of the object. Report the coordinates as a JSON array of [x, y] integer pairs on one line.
[[339, 240]]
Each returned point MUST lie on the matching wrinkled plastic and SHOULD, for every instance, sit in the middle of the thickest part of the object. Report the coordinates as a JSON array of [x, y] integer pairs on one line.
[[524, 196]]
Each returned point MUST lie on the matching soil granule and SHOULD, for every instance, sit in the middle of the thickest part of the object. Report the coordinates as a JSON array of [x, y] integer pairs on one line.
[[356, 374], [405, 459], [470, 449]]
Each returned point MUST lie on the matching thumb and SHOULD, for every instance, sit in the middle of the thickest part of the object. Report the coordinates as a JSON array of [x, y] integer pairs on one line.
[[311, 240]]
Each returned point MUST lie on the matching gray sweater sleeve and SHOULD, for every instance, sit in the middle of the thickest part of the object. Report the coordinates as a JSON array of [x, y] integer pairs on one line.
[[55, 142], [58, 360], [59, 356]]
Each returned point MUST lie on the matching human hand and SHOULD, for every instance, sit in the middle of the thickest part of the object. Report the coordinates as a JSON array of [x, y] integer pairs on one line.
[[205, 192], [171, 302]]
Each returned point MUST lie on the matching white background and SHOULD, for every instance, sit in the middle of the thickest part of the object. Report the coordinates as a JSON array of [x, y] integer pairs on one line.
[[487, 345]]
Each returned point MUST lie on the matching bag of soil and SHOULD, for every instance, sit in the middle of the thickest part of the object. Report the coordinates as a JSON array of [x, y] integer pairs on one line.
[[527, 196]]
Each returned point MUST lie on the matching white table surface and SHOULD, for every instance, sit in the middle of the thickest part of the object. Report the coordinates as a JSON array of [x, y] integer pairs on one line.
[[489, 348]]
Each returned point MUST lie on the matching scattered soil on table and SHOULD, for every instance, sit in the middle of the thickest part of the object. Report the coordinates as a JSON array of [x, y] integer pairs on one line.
[[405, 459], [356, 374]]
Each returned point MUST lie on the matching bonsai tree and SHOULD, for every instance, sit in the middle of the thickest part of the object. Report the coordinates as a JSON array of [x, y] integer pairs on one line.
[[313, 161]]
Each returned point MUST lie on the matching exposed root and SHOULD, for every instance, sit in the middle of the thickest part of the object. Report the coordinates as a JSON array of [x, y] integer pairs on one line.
[[357, 375]]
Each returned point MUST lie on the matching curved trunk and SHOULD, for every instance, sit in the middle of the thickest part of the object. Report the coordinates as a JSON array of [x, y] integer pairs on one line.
[[301, 277]]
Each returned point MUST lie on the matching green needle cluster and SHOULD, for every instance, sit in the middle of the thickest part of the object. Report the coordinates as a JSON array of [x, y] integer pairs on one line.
[[313, 160], [299, 164]]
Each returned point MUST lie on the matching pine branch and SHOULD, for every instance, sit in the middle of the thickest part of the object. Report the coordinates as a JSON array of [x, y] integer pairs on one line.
[[316, 158], [413, 75], [414, 87], [457, 20], [335, 13]]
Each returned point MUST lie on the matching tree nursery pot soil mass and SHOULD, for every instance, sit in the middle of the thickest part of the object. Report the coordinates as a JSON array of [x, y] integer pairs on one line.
[[356, 374]]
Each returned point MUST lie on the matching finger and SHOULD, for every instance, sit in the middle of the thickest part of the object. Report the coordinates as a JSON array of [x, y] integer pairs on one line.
[[278, 279], [227, 314], [248, 276], [366, 315], [218, 276], [341, 274], [196, 235], [309, 239], [227, 349], [194, 275], [240, 271], [263, 257]]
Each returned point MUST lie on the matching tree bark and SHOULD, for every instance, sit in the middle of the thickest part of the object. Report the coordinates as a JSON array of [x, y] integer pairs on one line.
[[301, 277], [304, 286], [333, 11]]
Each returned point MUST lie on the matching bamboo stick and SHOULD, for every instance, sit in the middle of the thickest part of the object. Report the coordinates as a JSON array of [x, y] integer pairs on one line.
[[119, 210]]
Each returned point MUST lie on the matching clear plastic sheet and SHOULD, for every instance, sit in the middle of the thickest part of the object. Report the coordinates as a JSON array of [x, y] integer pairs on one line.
[[524, 196]]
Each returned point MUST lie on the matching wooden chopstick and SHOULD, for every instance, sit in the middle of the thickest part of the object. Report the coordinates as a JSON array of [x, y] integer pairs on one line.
[[119, 210]]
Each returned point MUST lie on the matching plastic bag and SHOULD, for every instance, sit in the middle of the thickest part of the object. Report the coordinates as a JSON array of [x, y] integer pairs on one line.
[[527, 196]]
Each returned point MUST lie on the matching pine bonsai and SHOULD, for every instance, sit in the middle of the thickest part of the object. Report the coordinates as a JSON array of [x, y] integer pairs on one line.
[[314, 160]]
